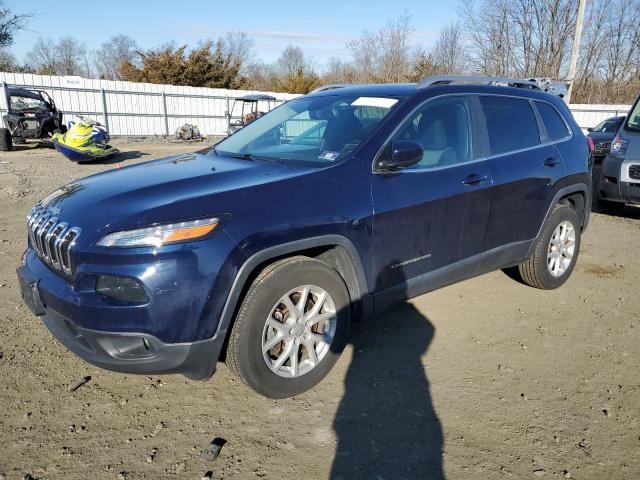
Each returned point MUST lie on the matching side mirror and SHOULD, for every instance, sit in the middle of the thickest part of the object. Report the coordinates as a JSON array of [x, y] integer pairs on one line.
[[400, 154], [590, 129]]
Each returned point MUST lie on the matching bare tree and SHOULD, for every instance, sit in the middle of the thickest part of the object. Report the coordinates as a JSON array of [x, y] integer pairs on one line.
[[67, 57], [385, 55], [296, 72], [71, 57], [112, 54], [449, 53], [291, 59], [338, 71], [9, 25], [43, 58], [8, 62], [261, 76], [424, 66], [239, 47], [529, 38]]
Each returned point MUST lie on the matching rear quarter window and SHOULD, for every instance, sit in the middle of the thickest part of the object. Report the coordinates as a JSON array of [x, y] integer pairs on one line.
[[553, 122], [511, 124]]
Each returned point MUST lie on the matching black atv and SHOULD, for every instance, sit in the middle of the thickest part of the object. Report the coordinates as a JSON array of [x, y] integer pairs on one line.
[[31, 114]]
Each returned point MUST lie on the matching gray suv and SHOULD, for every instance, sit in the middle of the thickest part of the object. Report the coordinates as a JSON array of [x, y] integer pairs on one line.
[[620, 178]]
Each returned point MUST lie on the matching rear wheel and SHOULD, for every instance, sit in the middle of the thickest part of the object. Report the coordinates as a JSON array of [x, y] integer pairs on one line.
[[6, 145], [555, 252], [291, 327]]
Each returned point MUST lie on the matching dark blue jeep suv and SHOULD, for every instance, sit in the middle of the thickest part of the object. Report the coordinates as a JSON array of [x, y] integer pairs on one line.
[[332, 206]]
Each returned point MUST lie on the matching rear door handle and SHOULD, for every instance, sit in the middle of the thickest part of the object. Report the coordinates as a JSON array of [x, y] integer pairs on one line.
[[474, 179], [551, 162]]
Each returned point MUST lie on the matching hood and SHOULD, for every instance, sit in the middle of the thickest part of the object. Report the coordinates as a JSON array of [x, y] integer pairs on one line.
[[176, 188]]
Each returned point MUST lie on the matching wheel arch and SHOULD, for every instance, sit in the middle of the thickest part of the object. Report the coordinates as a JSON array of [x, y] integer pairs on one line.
[[575, 196], [334, 250]]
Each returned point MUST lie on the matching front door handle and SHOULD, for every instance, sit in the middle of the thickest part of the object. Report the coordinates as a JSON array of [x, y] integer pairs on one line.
[[551, 162], [474, 179]]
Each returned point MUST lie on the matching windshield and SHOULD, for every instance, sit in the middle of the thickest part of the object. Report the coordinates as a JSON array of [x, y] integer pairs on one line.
[[317, 130], [25, 103], [608, 125], [633, 120]]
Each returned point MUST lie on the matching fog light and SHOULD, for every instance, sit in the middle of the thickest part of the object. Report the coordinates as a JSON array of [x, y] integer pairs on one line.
[[123, 289]]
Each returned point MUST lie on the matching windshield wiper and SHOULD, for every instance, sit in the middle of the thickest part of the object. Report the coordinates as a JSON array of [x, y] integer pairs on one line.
[[251, 156], [242, 156]]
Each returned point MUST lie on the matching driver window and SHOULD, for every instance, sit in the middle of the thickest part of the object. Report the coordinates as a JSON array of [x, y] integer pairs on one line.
[[443, 128]]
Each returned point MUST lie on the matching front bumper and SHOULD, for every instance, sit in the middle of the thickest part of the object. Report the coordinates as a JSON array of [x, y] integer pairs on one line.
[[615, 184], [127, 352], [175, 331], [136, 352]]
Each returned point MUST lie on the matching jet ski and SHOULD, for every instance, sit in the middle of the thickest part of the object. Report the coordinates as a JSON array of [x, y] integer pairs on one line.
[[84, 141]]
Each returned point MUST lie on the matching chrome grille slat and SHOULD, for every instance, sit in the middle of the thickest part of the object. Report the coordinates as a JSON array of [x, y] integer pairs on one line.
[[37, 231], [46, 229], [54, 251], [52, 239]]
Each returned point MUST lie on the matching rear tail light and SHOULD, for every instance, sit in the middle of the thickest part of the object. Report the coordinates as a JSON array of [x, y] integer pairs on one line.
[[619, 146], [592, 145]]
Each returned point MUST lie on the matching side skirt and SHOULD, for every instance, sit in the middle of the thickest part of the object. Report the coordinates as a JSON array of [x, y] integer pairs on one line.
[[489, 261]]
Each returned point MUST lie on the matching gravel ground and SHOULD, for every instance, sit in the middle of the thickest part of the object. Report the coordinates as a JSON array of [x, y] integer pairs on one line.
[[484, 379]]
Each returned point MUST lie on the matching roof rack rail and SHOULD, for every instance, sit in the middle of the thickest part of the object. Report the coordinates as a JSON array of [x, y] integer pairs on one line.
[[330, 86], [447, 79]]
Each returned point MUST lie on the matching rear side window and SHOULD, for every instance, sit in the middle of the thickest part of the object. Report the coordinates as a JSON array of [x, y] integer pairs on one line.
[[553, 122], [511, 124]]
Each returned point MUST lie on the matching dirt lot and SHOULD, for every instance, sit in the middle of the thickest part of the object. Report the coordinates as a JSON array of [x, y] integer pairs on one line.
[[484, 379]]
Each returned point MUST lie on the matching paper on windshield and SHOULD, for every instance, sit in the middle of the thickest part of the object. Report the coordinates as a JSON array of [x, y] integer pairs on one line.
[[374, 102]]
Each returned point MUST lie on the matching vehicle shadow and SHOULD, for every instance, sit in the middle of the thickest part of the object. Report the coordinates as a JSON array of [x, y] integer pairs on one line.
[[620, 211], [386, 424], [120, 157]]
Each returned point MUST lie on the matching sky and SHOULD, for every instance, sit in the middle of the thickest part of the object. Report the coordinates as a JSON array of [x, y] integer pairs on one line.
[[320, 27]]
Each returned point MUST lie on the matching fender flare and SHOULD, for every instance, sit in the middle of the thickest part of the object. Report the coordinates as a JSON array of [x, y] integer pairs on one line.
[[563, 192], [270, 253]]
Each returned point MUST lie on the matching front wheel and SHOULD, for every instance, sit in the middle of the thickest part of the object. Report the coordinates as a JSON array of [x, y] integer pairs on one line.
[[556, 251], [6, 145], [291, 327]]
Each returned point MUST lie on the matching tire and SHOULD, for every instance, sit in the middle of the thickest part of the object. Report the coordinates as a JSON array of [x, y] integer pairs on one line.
[[6, 145], [264, 306], [539, 270]]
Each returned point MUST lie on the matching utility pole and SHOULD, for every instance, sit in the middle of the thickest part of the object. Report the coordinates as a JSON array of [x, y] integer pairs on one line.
[[575, 49]]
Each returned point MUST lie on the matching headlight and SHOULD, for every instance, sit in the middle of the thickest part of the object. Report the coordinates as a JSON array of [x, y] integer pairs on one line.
[[160, 234]]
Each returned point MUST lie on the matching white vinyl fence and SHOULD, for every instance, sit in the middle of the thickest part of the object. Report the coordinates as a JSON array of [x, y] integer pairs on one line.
[[137, 109], [144, 109], [591, 115]]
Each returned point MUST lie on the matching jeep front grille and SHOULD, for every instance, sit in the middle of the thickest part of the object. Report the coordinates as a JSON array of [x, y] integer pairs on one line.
[[634, 172], [52, 239]]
